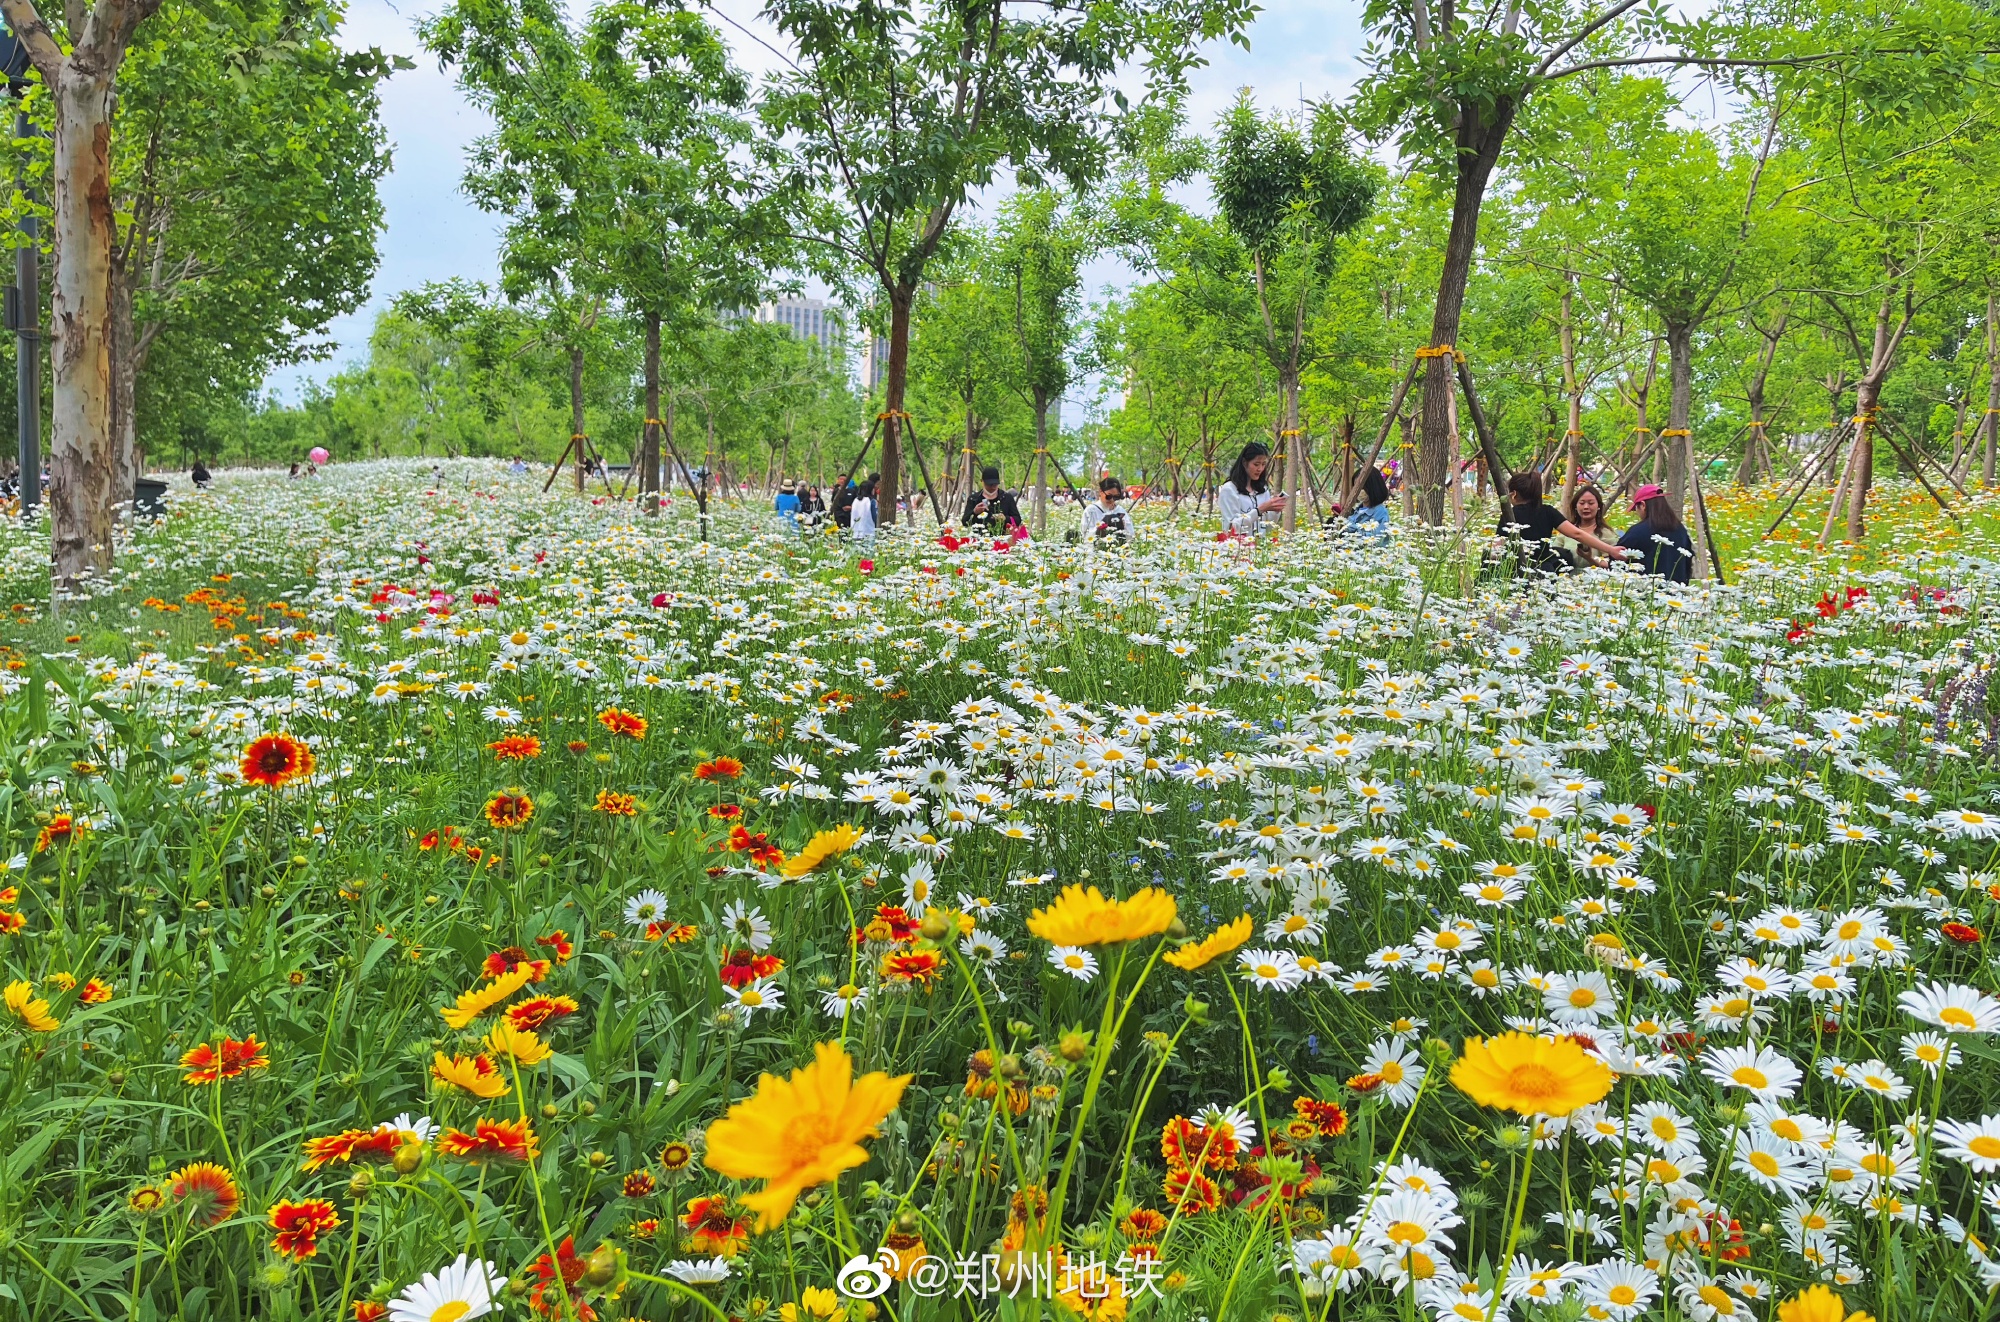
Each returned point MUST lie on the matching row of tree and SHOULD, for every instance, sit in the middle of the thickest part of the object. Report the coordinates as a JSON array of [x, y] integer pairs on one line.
[[645, 182]]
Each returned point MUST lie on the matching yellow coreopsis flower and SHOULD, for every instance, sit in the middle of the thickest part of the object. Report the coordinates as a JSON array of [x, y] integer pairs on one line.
[[801, 1131], [472, 1004], [1530, 1075], [1818, 1304], [32, 1012], [477, 1075], [1084, 917], [519, 1044], [1197, 954], [822, 849]]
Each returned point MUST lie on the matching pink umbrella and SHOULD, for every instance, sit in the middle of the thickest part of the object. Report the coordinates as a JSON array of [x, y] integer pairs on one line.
[[318, 454]]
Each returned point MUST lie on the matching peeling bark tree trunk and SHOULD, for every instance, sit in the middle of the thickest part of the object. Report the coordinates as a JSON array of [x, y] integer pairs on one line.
[[81, 496], [1041, 463], [1680, 404], [124, 386], [576, 435]]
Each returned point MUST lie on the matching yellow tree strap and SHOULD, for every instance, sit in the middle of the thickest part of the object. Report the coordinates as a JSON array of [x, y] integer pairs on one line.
[[1172, 462], [1676, 431], [1757, 422], [1440, 351], [1863, 419], [892, 413], [1572, 433], [1292, 431], [578, 436], [1042, 450], [1643, 431]]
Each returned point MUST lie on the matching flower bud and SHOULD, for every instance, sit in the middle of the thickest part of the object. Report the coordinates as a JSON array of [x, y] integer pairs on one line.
[[408, 1157], [1279, 1080], [1178, 930], [1074, 1045], [935, 926], [586, 1108], [1009, 1066], [605, 1264], [1020, 1028], [361, 1184], [550, 1110], [598, 1160], [1196, 1010]]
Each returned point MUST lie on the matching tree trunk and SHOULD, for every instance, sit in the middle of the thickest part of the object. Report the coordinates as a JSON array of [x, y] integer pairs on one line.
[[576, 436], [1680, 403], [81, 495], [1574, 434], [1290, 446], [1041, 463], [124, 385], [892, 404], [649, 446], [1479, 144], [1990, 424]]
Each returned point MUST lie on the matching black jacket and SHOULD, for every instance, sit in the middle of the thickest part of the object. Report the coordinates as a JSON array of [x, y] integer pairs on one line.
[[1674, 562], [1001, 510]]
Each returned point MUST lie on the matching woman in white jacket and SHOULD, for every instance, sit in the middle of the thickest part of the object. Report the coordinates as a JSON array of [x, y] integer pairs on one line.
[[1245, 498], [1105, 519], [863, 526]]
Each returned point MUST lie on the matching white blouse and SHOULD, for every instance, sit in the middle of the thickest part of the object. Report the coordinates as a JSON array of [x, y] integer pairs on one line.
[[1239, 511]]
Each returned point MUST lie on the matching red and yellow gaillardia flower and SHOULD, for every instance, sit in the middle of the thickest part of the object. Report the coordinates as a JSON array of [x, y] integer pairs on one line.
[[509, 809], [299, 1226], [276, 760], [208, 1190], [618, 721], [224, 1058], [491, 1140]]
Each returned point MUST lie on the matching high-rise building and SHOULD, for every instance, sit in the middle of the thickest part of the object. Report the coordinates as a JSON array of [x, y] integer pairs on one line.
[[809, 318], [874, 362]]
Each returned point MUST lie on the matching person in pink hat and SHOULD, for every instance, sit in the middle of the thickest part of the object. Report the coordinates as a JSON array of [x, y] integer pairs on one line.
[[1659, 541]]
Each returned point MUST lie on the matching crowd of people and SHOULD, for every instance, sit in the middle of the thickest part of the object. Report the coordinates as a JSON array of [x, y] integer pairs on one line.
[[1538, 538]]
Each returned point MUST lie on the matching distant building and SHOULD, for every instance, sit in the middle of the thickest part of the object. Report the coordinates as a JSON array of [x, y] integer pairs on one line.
[[809, 319], [875, 362]]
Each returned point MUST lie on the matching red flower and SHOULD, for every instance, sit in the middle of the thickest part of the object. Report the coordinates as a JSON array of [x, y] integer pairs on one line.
[[622, 722], [1329, 1118], [721, 768], [502, 962], [209, 1191], [1963, 935], [299, 1226], [740, 968], [637, 1184], [378, 1144], [532, 1014], [570, 1269], [867, 566], [726, 812], [918, 966], [367, 1310], [225, 1058], [491, 1140], [714, 1228], [276, 760], [516, 747], [559, 945]]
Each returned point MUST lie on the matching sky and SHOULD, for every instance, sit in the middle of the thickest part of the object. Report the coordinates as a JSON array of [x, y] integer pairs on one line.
[[1298, 48]]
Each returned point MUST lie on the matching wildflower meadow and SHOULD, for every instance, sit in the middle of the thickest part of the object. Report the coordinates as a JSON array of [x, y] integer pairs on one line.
[[426, 899]]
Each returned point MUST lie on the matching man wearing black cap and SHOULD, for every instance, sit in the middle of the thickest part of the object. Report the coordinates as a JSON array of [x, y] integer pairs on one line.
[[990, 505]]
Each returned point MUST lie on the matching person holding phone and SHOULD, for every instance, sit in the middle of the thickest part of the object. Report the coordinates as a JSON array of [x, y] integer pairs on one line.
[[1246, 497]]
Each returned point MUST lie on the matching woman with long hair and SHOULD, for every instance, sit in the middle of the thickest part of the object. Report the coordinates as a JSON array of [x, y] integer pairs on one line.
[[1370, 519], [1535, 523], [1245, 498], [1659, 540], [1586, 511]]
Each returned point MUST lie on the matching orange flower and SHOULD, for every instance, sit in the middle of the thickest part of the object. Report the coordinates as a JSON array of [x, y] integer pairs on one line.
[[299, 1226], [276, 760], [722, 768], [530, 1015], [225, 1058], [59, 831], [95, 992], [637, 1184], [367, 1310], [921, 967], [559, 945], [209, 1191], [613, 804], [516, 748], [491, 1140], [714, 1228], [479, 1000], [505, 960], [1329, 1119], [510, 809], [11, 923], [630, 724], [378, 1144], [726, 812], [1191, 1192]]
